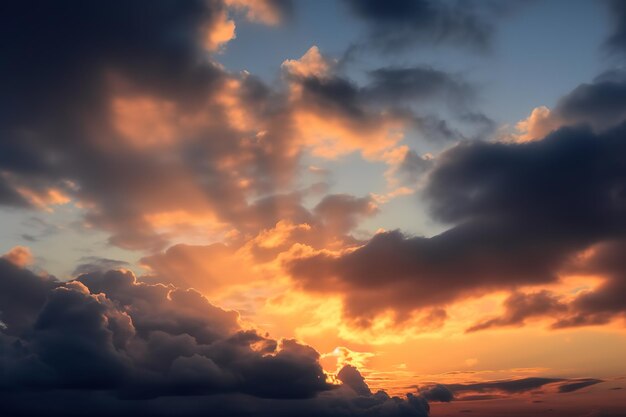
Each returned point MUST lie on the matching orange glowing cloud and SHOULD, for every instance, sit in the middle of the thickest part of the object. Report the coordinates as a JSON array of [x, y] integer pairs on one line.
[[312, 63], [43, 199], [330, 135], [145, 121], [329, 130], [19, 256], [539, 123], [219, 32]]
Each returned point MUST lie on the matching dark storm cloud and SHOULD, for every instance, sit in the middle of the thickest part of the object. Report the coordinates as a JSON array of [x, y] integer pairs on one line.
[[107, 345], [521, 212], [396, 24]]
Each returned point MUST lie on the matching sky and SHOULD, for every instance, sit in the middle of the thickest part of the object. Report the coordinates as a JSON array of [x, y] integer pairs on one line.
[[326, 208]]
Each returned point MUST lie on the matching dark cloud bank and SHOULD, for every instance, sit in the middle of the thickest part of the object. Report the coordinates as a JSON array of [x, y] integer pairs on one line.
[[107, 345], [521, 215]]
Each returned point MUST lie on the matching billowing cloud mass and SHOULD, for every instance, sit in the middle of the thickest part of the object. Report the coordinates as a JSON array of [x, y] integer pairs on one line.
[[140, 127], [227, 198], [110, 345], [521, 213]]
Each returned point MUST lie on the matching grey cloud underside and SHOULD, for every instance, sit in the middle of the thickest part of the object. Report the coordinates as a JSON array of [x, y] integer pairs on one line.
[[107, 345]]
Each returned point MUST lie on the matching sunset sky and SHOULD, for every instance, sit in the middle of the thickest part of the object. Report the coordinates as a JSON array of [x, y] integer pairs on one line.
[[313, 208]]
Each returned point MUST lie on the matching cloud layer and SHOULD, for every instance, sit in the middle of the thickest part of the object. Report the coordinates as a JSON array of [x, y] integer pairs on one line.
[[109, 345], [521, 214]]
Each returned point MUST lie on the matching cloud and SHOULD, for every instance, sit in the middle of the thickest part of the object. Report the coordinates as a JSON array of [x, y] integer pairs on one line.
[[219, 33], [95, 263], [22, 295], [246, 266], [311, 64], [19, 256], [510, 226], [413, 167], [150, 138], [511, 386], [270, 12], [575, 385], [539, 123], [137, 123], [520, 306], [341, 212], [501, 389], [351, 377], [590, 307], [600, 104], [397, 24], [393, 84], [439, 393], [105, 338], [617, 40], [602, 304], [334, 116]]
